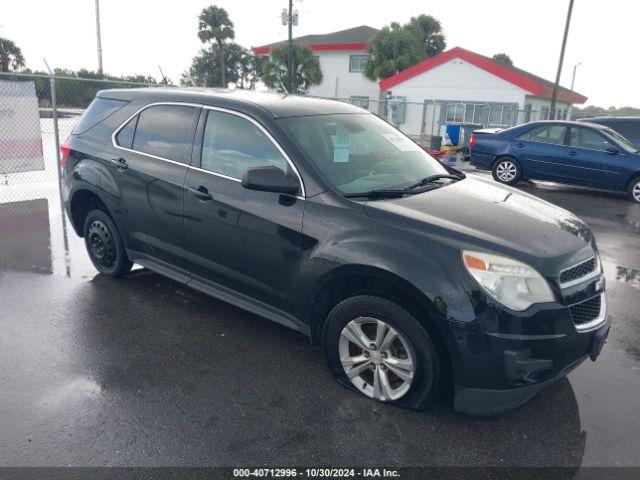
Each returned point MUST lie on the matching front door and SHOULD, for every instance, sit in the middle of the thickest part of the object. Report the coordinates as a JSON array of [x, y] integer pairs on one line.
[[540, 150], [243, 240], [154, 149], [585, 162]]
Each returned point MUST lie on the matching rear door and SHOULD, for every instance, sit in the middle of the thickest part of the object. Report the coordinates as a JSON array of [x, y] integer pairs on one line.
[[155, 150], [540, 151], [243, 240], [586, 160]]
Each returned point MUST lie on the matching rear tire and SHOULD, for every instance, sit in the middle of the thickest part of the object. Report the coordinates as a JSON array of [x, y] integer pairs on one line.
[[104, 245], [507, 170], [400, 363], [633, 192]]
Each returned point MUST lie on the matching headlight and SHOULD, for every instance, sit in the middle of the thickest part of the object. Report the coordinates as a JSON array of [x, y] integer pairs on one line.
[[514, 284]]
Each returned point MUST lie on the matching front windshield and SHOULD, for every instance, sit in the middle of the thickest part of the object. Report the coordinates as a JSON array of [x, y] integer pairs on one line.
[[359, 152], [623, 142]]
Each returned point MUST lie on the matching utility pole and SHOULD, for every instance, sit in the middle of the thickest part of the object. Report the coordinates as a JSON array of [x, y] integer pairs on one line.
[[290, 62], [573, 81], [573, 77], [98, 37], [554, 95]]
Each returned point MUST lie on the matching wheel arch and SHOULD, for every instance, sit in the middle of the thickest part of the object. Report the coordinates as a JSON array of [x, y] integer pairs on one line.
[[348, 281], [81, 202]]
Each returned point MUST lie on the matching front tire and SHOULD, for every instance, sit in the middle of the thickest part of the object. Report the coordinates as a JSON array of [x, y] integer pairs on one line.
[[104, 245], [633, 192], [507, 170], [379, 349]]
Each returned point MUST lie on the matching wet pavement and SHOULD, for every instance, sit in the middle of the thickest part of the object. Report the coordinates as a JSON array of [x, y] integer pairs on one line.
[[143, 371]]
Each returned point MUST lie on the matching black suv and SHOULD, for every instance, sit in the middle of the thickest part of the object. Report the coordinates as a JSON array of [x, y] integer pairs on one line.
[[324, 218]]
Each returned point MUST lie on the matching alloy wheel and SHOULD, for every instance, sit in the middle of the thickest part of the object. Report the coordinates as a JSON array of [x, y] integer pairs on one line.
[[506, 171], [636, 192], [376, 358]]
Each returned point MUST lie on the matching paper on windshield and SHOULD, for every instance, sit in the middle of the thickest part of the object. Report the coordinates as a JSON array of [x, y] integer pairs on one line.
[[340, 148], [401, 142]]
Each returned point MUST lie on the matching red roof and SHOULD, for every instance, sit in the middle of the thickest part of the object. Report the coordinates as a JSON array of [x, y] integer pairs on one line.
[[357, 38], [532, 83]]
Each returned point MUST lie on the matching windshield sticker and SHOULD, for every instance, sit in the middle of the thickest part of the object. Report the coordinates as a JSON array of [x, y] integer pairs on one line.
[[340, 148], [401, 142]]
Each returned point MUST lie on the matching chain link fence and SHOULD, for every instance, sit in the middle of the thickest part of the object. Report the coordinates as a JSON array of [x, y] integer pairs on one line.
[[37, 113], [426, 119]]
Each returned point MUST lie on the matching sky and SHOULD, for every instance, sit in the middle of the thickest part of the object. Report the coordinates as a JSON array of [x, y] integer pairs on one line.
[[140, 35]]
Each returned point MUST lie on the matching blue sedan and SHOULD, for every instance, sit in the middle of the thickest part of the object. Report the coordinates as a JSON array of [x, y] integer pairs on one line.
[[583, 154]]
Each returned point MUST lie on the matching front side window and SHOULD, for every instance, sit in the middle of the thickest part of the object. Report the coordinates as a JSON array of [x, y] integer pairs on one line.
[[360, 152], [622, 141], [357, 62], [587, 138], [232, 144], [166, 131], [553, 134]]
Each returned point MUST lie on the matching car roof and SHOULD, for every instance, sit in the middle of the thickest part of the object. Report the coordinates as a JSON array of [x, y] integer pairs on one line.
[[275, 104], [567, 122], [611, 119]]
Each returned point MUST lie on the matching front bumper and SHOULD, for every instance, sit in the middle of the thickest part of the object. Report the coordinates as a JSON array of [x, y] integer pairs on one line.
[[506, 358], [486, 401]]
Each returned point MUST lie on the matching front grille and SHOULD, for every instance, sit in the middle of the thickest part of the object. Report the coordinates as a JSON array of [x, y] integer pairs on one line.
[[578, 271], [586, 311]]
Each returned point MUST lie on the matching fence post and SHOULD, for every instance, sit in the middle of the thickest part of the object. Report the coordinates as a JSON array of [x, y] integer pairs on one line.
[[56, 137]]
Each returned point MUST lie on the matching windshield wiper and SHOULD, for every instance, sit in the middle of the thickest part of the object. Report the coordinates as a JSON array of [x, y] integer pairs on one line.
[[433, 179], [379, 194]]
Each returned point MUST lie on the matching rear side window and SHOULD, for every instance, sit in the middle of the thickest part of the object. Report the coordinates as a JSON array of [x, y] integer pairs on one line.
[[125, 135], [553, 134], [166, 131], [232, 144], [97, 111]]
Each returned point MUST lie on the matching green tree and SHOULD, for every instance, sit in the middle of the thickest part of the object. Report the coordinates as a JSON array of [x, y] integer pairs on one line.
[[393, 49], [241, 67], [214, 25], [503, 59], [429, 33], [10, 56], [306, 69]]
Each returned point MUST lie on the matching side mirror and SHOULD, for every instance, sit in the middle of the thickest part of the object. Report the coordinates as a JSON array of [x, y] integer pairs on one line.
[[613, 150], [269, 179]]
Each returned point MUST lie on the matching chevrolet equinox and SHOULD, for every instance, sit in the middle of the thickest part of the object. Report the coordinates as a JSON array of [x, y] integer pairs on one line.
[[322, 217]]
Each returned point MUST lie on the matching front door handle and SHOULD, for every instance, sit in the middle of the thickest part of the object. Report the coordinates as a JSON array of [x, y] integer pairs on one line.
[[572, 153], [201, 193], [120, 163]]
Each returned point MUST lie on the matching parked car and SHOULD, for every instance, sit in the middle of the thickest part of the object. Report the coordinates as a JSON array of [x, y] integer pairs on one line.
[[324, 218], [577, 153], [628, 127]]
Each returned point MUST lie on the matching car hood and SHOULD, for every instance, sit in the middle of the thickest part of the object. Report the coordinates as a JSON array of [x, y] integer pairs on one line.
[[479, 213]]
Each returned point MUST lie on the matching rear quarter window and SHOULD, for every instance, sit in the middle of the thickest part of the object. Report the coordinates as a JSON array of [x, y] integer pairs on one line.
[[98, 110]]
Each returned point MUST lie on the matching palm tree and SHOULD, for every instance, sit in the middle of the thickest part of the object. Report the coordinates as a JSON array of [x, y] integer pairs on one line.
[[214, 25], [10, 56], [428, 30], [306, 68]]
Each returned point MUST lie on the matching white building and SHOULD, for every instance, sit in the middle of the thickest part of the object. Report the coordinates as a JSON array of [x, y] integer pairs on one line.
[[462, 86], [457, 86], [342, 56]]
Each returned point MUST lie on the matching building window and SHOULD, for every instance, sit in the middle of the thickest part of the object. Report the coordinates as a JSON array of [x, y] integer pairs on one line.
[[362, 102], [357, 62]]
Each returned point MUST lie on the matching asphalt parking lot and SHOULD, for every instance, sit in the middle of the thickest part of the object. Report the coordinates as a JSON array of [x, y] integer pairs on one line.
[[144, 372]]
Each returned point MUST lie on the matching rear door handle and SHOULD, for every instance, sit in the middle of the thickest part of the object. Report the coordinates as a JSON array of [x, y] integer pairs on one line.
[[201, 193], [520, 145], [120, 163], [572, 153]]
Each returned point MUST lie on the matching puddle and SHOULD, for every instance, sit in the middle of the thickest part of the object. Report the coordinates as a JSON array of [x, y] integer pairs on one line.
[[628, 275]]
